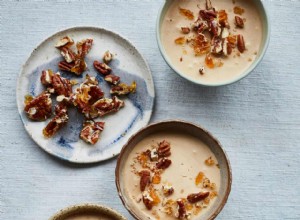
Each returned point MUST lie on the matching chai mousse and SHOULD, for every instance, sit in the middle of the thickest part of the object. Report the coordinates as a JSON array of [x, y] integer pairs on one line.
[[212, 41], [170, 175]]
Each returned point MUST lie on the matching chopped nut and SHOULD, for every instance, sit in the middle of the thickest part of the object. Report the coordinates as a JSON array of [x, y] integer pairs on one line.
[[206, 183], [196, 197], [113, 79], [102, 68], [167, 189], [38, 108], [123, 89], [68, 54], [147, 200], [227, 50], [208, 15], [185, 30], [46, 77], [163, 163], [216, 45], [91, 131], [214, 28], [181, 210], [164, 149], [61, 85], [145, 179], [210, 161], [153, 155], [202, 70], [105, 106], [83, 47], [225, 32], [239, 22], [241, 43], [107, 57], [64, 42], [60, 119]]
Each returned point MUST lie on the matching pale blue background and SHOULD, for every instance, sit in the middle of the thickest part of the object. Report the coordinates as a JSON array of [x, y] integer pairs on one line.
[[256, 119]]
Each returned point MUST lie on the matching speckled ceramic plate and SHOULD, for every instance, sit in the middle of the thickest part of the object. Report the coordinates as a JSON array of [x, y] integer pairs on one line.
[[128, 64], [77, 211]]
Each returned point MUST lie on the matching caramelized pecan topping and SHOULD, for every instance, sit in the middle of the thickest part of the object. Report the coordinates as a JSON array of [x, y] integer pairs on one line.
[[61, 85], [163, 163], [196, 197], [181, 209], [38, 108], [102, 68], [46, 77], [185, 30], [123, 89], [241, 43], [112, 79], [64, 42], [68, 54], [164, 149], [91, 131], [145, 179], [105, 106]]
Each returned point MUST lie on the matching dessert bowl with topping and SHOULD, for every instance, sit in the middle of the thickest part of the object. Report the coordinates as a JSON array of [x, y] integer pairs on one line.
[[211, 42], [173, 170], [87, 212]]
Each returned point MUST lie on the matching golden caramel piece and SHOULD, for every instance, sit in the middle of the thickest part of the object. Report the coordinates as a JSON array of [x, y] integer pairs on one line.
[[123, 89], [187, 13], [223, 18], [201, 45], [209, 61], [180, 40], [199, 178], [238, 10], [210, 161]]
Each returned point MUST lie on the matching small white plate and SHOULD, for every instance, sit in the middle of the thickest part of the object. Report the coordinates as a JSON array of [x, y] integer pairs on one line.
[[128, 64]]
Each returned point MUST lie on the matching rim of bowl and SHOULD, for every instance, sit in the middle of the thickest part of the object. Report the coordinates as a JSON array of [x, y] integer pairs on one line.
[[228, 167], [266, 40], [96, 207]]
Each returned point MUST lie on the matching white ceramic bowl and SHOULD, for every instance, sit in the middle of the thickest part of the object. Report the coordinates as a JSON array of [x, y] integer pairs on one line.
[[261, 52]]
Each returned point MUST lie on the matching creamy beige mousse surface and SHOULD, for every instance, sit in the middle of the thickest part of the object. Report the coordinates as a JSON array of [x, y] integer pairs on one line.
[[89, 217], [188, 155], [234, 64]]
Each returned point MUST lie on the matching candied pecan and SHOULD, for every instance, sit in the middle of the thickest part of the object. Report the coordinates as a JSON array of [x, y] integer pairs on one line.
[[187, 13], [201, 70], [83, 47], [201, 27], [102, 68], [214, 28], [216, 45], [227, 49], [123, 89], [63, 65], [153, 154], [96, 93], [163, 163], [68, 54], [145, 179], [61, 85], [241, 43], [91, 131], [64, 42], [167, 190], [239, 22], [181, 209], [223, 18], [59, 120], [200, 44], [46, 77], [208, 15], [147, 200], [196, 197], [106, 105], [107, 57], [164, 149], [38, 108], [79, 66], [208, 5], [185, 30], [113, 79]]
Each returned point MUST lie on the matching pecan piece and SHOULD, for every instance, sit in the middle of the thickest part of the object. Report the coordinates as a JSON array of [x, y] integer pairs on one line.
[[214, 28], [147, 200], [199, 26], [123, 89], [65, 42], [68, 54], [241, 43], [38, 108], [107, 57], [63, 65], [113, 79], [46, 77], [181, 210], [79, 66], [61, 85], [83, 47], [91, 131], [208, 15], [59, 120], [167, 190], [216, 45], [185, 30], [145, 179], [106, 105], [227, 49], [164, 149], [196, 197], [102, 68], [239, 22], [163, 163]]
